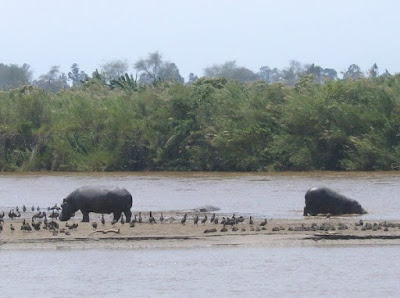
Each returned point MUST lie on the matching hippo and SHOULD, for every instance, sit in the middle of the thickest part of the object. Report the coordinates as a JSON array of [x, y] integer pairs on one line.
[[98, 200], [322, 200]]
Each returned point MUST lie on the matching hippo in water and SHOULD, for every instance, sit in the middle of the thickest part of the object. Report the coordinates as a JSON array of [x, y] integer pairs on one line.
[[322, 200], [99, 200]]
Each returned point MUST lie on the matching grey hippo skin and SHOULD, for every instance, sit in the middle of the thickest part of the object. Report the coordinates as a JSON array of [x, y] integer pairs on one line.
[[322, 200], [99, 200]]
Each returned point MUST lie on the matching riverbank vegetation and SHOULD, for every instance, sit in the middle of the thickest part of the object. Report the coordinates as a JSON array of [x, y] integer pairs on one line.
[[213, 124]]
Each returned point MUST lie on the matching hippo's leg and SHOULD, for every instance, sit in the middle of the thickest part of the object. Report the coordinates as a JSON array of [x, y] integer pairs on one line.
[[117, 215], [85, 216], [128, 215], [305, 213]]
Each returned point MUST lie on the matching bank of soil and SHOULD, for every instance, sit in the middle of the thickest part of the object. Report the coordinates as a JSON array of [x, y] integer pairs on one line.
[[172, 234]]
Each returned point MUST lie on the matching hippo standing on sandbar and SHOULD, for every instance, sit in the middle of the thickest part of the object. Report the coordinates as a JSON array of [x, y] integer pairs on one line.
[[99, 200], [322, 200]]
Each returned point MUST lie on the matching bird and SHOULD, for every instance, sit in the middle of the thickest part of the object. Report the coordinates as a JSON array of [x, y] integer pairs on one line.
[[203, 221], [36, 226], [23, 208], [33, 208], [263, 223], [12, 228], [17, 208], [37, 208], [103, 221], [151, 218], [94, 225], [134, 220], [140, 217], [161, 217], [184, 219], [196, 220], [212, 218], [251, 221], [216, 221]]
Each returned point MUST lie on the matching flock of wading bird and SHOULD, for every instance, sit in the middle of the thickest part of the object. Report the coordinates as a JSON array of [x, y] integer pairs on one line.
[[40, 221]]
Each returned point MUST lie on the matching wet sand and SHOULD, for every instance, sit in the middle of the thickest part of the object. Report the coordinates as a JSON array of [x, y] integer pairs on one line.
[[314, 231]]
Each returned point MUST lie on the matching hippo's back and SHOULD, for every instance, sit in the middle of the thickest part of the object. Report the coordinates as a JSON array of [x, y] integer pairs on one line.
[[102, 200]]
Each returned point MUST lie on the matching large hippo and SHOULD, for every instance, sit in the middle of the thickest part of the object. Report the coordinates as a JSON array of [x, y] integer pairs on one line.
[[98, 200], [322, 200]]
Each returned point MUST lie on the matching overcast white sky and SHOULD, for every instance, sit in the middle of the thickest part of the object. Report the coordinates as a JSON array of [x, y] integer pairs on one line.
[[198, 34]]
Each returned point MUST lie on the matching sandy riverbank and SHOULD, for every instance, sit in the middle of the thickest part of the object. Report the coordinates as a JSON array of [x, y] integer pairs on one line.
[[315, 231]]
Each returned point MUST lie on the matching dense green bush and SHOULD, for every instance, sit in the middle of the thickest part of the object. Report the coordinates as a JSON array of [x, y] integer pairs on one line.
[[211, 125]]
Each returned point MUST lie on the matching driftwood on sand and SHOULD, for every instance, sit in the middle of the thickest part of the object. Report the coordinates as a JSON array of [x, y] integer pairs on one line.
[[116, 231]]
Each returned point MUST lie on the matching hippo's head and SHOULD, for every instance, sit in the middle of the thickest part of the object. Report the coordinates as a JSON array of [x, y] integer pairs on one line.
[[66, 211], [357, 209]]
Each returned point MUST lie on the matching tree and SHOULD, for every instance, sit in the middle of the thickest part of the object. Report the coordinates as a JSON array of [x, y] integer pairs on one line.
[[77, 76], [269, 75], [13, 76], [353, 72], [192, 78], [52, 81], [292, 74], [114, 69], [230, 71], [319, 74], [373, 72], [154, 68]]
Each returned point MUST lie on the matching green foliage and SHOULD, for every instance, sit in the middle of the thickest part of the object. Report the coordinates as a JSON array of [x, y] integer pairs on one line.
[[211, 125]]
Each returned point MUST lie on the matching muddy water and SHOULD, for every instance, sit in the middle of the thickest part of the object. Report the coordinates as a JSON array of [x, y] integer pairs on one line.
[[203, 272], [356, 271], [271, 195]]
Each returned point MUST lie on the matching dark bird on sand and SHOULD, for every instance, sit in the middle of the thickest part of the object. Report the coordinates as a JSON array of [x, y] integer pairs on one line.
[[184, 219], [33, 208], [161, 217], [54, 214], [12, 228], [203, 221], [94, 225], [73, 226], [36, 226], [17, 208], [216, 221], [212, 218], [23, 208], [103, 221], [263, 223], [134, 220], [140, 217], [196, 220], [251, 221], [151, 218]]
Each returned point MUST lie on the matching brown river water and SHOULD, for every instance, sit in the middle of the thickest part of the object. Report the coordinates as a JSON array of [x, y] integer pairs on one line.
[[332, 271]]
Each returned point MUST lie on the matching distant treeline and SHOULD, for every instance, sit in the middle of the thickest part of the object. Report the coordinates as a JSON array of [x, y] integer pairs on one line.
[[212, 124], [154, 68]]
